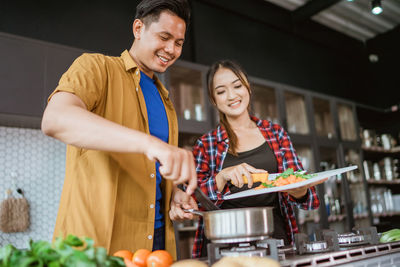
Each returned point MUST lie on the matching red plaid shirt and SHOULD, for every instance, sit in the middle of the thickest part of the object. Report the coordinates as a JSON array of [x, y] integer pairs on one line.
[[209, 153]]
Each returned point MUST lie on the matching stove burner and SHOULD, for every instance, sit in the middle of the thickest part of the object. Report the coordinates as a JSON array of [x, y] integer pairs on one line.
[[351, 239], [244, 250], [326, 241], [239, 240], [316, 246], [262, 248]]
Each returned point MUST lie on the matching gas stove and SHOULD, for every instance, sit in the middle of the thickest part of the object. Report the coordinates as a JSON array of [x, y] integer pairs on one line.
[[351, 255], [264, 247], [328, 249], [329, 240]]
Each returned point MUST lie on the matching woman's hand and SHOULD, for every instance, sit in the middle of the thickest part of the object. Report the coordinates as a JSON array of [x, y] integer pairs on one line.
[[302, 191], [234, 174]]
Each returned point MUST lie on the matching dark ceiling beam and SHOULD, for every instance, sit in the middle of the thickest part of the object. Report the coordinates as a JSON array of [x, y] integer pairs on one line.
[[281, 19], [311, 8]]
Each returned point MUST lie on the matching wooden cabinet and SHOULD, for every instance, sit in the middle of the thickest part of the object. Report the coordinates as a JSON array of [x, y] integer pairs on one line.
[[30, 71], [187, 86], [296, 116], [264, 102], [347, 122], [323, 118]]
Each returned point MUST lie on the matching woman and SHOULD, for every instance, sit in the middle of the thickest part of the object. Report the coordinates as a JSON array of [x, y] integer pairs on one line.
[[241, 145]]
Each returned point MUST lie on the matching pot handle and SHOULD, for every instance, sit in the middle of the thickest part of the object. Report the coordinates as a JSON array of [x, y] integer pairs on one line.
[[195, 212]]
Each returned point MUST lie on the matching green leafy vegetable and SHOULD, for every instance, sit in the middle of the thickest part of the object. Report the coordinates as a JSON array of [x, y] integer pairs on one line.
[[70, 251], [390, 236], [268, 185], [300, 174]]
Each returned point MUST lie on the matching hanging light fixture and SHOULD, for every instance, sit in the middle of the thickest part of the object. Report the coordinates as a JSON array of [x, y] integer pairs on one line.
[[376, 7]]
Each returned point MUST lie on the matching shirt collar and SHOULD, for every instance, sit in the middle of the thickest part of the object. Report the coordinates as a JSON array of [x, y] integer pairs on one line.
[[221, 134], [128, 60], [130, 64]]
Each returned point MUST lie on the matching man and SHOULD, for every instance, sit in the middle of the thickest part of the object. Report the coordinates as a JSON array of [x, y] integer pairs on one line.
[[121, 130]]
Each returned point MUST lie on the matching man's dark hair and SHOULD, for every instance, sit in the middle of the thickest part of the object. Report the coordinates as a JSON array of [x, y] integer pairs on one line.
[[149, 10]]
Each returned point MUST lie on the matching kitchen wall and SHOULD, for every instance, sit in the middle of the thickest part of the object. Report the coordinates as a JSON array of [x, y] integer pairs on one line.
[[37, 163], [262, 38]]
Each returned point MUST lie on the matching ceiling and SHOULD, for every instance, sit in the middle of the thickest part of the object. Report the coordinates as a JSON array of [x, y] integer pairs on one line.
[[353, 18]]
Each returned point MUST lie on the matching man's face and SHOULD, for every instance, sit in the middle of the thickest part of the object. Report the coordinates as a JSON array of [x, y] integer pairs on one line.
[[159, 43]]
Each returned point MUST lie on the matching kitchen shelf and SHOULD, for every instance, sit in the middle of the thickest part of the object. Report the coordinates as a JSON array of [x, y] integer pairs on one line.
[[336, 218], [387, 214], [380, 149], [361, 216], [384, 182]]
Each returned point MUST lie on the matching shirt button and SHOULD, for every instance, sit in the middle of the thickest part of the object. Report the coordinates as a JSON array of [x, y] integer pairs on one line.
[[150, 237], [151, 206], [137, 72], [152, 175], [137, 89]]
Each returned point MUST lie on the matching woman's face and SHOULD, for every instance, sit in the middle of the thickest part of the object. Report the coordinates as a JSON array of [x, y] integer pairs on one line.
[[231, 96]]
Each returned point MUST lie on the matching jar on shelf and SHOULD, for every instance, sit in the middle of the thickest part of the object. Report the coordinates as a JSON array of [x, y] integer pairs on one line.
[[368, 138], [386, 140]]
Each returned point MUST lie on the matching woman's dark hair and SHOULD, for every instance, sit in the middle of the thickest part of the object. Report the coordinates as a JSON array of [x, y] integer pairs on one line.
[[149, 10], [242, 75]]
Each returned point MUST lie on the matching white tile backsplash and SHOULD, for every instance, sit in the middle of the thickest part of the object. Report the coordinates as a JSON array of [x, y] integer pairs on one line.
[[38, 164]]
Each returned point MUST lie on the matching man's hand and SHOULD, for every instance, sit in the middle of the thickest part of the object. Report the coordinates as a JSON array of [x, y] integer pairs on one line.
[[176, 164], [180, 200]]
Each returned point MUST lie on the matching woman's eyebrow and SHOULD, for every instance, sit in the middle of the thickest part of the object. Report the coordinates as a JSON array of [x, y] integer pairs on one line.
[[236, 80], [219, 86]]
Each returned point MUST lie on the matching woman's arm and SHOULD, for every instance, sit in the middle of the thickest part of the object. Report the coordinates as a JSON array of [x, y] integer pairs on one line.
[[304, 197]]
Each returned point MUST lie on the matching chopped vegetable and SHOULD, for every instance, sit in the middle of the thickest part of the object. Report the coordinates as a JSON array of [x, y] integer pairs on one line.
[[63, 252], [287, 177], [390, 236]]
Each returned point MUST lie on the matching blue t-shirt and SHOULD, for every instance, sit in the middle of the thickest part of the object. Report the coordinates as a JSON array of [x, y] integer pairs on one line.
[[158, 126]]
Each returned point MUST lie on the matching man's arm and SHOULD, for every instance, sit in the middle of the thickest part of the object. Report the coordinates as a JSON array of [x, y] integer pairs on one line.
[[67, 119]]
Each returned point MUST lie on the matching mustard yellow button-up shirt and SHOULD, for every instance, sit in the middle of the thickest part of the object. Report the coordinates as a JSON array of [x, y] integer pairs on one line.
[[110, 197]]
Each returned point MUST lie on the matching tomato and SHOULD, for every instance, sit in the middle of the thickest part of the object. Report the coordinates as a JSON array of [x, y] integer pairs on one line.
[[125, 254], [129, 263], [159, 258], [140, 257]]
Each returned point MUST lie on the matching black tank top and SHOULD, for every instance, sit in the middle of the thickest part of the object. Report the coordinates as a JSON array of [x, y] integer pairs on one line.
[[260, 157]]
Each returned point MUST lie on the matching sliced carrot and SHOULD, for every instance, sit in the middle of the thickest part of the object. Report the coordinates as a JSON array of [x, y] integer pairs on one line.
[[291, 179]]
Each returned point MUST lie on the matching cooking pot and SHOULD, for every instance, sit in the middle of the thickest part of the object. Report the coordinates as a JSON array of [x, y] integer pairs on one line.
[[237, 225]]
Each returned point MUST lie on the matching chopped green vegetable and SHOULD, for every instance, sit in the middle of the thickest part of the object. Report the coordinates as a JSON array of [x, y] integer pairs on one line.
[[390, 236], [268, 185], [300, 174]]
